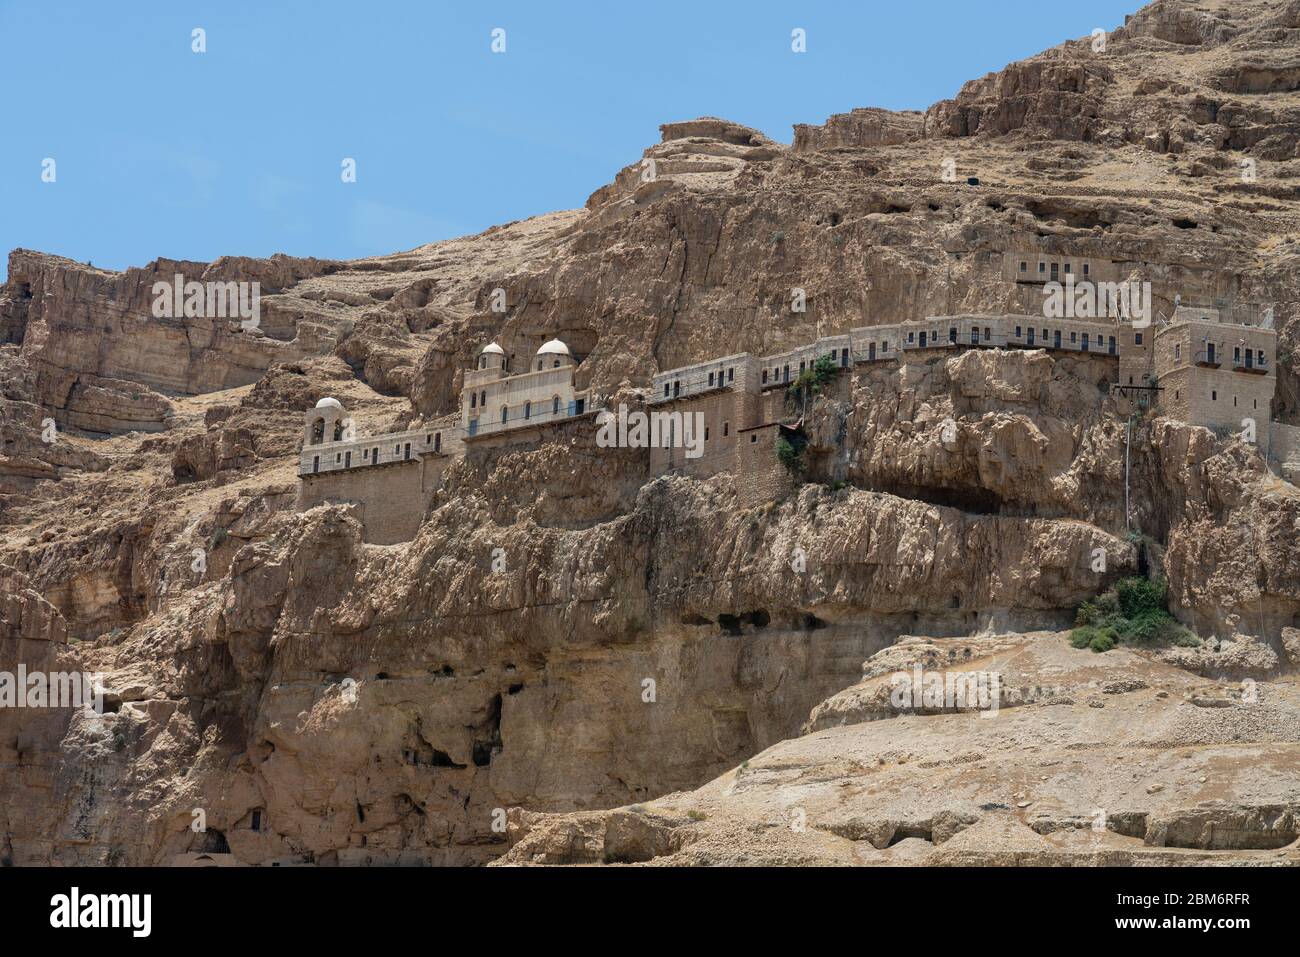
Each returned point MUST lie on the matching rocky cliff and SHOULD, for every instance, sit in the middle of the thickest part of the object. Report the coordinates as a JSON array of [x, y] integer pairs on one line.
[[568, 635]]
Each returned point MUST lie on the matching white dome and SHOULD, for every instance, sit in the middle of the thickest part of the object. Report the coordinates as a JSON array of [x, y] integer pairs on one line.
[[329, 403], [492, 349], [554, 347]]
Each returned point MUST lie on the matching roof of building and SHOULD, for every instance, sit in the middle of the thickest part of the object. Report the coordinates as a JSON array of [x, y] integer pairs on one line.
[[329, 403], [493, 349], [554, 347]]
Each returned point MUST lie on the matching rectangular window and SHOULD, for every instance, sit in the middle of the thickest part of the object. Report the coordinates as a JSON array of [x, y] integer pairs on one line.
[[731, 375], [1085, 269], [1178, 350], [1074, 337], [1024, 267], [710, 380], [1017, 332], [1137, 338]]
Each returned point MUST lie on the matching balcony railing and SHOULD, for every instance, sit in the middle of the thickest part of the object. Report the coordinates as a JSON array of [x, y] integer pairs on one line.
[[1250, 364], [1208, 358], [571, 410]]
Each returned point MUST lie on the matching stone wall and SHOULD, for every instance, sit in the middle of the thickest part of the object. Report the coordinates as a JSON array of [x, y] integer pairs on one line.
[[1219, 399], [390, 498], [760, 477]]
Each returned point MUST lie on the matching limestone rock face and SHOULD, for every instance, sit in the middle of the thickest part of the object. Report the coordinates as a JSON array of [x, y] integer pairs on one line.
[[624, 667], [1091, 760], [862, 127]]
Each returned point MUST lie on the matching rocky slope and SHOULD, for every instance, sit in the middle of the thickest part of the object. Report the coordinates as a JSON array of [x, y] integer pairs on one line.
[[326, 701]]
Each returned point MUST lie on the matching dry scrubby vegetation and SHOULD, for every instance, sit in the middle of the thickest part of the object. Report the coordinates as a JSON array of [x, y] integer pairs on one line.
[[1133, 612]]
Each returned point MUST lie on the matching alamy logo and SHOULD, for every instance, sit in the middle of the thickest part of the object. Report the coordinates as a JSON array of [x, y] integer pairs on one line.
[[655, 430], [953, 690], [134, 911], [1098, 300], [208, 300], [61, 689]]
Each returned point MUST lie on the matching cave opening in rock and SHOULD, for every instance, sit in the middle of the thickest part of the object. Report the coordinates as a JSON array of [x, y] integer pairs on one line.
[[441, 759], [489, 741], [904, 833]]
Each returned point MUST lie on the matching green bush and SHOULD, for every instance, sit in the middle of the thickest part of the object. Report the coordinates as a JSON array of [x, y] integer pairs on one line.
[[1082, 637], [1148, 627], [813, 378], [1103, 642], [789, 456], [1139, 595], [1133, 612], [1103, 608]]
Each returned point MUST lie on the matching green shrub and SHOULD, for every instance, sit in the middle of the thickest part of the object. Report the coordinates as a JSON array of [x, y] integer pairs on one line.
[[1082, 637], [813, 378], [1133, 612], [1138, 595], [1103, 642], [1103, 608], [786, 454], [1148, 627]]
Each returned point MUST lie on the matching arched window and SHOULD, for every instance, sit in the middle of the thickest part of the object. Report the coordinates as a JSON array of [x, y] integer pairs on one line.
[[473, 400], [528, 410], [555, 405], [482, 399], [318, 432], [482, 362], [557, 364], [505, 412], [539, 364], [338, 431]]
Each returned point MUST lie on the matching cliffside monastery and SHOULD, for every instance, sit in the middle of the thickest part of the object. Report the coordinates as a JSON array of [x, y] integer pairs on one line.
[[1207, 365]]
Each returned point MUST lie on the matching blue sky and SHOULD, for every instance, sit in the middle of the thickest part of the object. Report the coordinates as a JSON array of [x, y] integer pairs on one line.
[[161, 151]]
